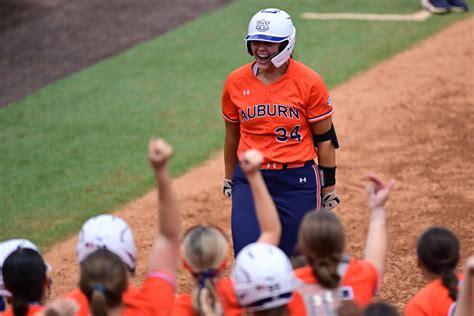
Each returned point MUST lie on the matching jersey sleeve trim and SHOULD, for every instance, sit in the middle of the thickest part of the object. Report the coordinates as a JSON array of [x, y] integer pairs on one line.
[[229, 119], [320, 117], [164, 276]]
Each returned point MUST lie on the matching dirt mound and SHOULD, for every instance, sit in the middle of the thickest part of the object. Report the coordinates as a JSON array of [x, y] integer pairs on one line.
[[409, 118]]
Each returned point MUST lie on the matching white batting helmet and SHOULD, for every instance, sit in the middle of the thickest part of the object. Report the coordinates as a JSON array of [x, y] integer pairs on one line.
[[6, 249], [275, 26], [262, 277], [107, 232]]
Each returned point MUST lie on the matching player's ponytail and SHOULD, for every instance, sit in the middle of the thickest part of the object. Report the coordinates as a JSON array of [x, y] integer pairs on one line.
[[321, 240], [98, 302], [205, 250], [103, 281], [450, 281], [19, 307], [24, 276], [211, 302], [325, 271], [438, 251]]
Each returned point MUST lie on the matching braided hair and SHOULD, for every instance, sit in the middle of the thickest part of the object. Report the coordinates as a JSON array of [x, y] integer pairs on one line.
[[438, 251], [205, 250], [321, 240]]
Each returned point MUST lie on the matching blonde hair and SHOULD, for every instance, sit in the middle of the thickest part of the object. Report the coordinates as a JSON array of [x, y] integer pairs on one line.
[[321, 240], [205, 250], [103, 281]]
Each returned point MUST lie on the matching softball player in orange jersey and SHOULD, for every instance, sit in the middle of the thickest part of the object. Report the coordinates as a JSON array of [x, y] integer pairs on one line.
[[282, 108], [438, 256]]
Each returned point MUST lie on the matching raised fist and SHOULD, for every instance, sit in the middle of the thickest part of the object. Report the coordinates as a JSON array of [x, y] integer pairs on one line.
[[250, 161], [159, 152]]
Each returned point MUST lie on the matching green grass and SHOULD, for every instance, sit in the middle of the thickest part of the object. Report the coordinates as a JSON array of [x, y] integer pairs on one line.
[[78, 146]]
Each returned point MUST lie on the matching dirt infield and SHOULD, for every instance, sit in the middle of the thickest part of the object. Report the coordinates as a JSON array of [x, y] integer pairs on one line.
[[410, 118], [45, 40]]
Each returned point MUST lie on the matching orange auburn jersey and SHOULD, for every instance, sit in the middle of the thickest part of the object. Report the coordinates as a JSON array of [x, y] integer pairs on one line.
[[32, 310], [230, 306], [81, 299], [432, 300], [276, 118], [359, 283], [154, 298]]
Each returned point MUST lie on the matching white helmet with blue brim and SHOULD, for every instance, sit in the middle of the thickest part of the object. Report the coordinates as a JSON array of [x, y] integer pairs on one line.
[[274, 26]]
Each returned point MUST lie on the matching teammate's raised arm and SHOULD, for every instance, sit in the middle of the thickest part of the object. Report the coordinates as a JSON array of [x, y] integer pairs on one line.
[[376, 246], [267, 214], [166, 248], [464, 301]]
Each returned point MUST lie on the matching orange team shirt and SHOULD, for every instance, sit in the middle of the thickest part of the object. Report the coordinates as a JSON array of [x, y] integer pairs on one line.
[[230, 306], [432, 300], [155, 297], [360, 283], [275, 119], [81, 299], [32, 310]]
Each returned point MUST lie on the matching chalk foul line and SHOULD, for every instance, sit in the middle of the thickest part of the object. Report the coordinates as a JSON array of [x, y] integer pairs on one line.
[[418, 16]]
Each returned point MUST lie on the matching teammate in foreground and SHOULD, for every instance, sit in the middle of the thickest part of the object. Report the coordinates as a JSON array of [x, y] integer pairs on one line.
[[109, 232], [205, 251], [6, 248], [104, 276], [25, 278], [438, 256], [282, 108], [380, 308], [332, 276]]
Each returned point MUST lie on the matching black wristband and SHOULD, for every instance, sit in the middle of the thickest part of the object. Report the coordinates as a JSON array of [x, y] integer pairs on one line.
[[327, 175]]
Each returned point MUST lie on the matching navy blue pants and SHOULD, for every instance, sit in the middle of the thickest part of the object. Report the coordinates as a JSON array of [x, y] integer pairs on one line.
[[294, 191]]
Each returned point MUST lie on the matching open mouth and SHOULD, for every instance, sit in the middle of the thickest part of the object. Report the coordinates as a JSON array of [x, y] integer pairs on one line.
[[263, 58]]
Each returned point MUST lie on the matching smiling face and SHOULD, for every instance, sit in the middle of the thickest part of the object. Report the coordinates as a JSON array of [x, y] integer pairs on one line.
[[263, 53]]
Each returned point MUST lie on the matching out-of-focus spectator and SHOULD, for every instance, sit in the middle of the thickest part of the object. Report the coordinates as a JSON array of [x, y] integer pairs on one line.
[[444, 6]]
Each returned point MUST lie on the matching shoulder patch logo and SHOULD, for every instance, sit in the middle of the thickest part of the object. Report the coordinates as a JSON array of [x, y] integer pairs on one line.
[[329, 101], [262, 25]]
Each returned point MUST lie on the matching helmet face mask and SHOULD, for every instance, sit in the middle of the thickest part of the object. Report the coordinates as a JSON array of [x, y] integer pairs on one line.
[[274, 26], [107, 232], [262, 277]]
